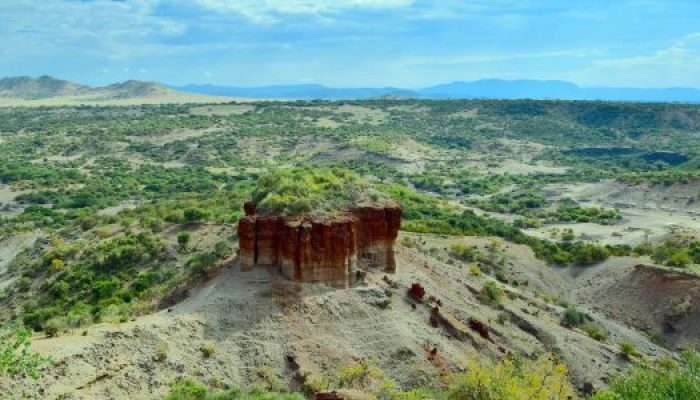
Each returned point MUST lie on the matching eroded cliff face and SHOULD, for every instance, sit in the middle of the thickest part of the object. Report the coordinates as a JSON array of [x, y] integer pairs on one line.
[[309, 249]]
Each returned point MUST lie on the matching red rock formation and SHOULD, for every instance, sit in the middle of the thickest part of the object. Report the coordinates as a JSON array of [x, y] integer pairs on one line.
[[246, 241], [417, 291], [378, 230], [321, 250]]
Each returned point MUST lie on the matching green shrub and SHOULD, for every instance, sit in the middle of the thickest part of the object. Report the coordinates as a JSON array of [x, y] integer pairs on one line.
[[573, 317], [16, 356], [183, 239], [207, 349], [540, 379], [492, 292], [595, 331], [663, 380], [628, 350], [474, 270], [194, 214], [303, 190], [187, 389], [463, 252]]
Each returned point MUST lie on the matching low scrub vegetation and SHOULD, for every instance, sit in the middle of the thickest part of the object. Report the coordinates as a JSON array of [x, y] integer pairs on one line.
[[661, 380], [305, 190], [16, 356]]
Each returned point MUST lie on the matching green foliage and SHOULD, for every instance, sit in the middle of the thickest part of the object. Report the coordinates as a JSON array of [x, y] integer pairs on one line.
[[16, 357], [679, 251], [595, 331], [492, 292], [358, 374], [463, 252], [194, 214], [508, 379], [659, 381], [299, 190], [183, 239], [103, 283], [188, 389], [628, 350], [574, 318], [426, 214]]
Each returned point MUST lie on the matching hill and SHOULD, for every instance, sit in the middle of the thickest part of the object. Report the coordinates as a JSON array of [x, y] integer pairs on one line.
[[47, 90], [300, 92], [25, 87], [480, 89]]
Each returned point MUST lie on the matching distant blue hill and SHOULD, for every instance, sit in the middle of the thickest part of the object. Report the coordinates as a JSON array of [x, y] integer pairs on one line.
[[481, 89], [299, 92]]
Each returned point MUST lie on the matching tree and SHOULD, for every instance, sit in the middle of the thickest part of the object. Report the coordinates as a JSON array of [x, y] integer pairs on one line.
[[194, 214], [680, 259]]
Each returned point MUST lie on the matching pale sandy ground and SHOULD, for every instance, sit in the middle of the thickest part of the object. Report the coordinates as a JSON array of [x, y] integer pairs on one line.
[[260, 323], [10, 247], [172, 97], [649, 212], [8, 205]]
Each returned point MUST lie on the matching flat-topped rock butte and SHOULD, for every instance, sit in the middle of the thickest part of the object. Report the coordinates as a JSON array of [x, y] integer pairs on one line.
[[332, 250]]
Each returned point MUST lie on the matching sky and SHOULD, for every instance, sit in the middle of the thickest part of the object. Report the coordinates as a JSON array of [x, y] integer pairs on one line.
[[353, 43]]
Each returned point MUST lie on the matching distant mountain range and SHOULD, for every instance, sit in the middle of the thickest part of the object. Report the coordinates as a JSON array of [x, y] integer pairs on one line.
[[24, 88], [481, 89], [43, 87]]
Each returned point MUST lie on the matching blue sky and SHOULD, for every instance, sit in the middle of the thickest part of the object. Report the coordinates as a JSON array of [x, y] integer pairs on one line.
[[351, 43]]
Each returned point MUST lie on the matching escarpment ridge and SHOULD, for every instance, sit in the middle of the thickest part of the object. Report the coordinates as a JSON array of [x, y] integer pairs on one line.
[[309, 248]]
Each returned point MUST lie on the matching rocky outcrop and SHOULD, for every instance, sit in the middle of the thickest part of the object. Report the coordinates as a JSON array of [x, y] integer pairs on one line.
[[331, 250]]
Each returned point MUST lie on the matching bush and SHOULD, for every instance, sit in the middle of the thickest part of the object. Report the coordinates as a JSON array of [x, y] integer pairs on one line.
[[573, 317], [595, 331], [16, 356], [194, 214], [628, 350], [183, 239], [54, 326], [492, 292], [474, 270], [187, 389], [664, 380], [508, 379], [358, 374], [463, 252], [207, 349]]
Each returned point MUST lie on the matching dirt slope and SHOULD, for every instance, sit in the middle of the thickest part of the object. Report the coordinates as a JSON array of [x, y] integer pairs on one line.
[[264, 326]]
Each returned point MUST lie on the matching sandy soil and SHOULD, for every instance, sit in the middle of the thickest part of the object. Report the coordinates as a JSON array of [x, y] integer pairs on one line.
[[257, 321], [9, 249], [649, 212], [8, 206], [171, 97]]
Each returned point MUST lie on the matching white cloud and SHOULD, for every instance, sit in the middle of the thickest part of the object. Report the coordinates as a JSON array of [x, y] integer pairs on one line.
[[269, 11], [676, 64], [109, 28]]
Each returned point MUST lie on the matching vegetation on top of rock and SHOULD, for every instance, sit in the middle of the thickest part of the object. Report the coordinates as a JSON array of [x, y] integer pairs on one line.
[[320, 191]]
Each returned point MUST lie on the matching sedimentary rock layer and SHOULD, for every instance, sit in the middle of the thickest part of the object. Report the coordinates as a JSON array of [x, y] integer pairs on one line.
[[331, 250]]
